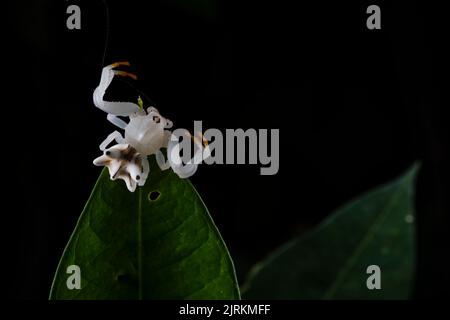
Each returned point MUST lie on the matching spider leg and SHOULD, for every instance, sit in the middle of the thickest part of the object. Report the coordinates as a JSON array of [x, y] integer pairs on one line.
[[113, 136], [152, 109], [168, 124], [113, 107], [166, 138], [173, 154], [185, 171], [160, 160], [162, 163], [116, 121]]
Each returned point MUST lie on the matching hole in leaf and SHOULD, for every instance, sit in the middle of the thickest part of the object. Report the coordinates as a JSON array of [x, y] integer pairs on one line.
[[154, 195]]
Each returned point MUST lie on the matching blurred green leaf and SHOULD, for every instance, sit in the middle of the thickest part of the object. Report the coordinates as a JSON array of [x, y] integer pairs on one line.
[[331, 262], [131, 247]]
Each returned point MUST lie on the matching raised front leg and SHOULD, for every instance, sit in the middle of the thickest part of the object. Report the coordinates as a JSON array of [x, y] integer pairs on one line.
[[113, 107]]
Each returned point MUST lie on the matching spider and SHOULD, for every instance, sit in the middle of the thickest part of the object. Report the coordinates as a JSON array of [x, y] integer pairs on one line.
[[145, 134]]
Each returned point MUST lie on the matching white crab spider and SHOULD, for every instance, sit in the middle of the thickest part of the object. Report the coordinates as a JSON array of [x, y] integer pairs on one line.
[[145, 134]]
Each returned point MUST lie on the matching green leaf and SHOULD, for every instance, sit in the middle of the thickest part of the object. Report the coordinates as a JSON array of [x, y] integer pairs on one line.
[[331, 262], [129, 246]]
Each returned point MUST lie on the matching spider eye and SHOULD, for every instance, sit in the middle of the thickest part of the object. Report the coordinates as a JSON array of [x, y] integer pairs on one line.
[[138, 177], [108, 153], [156, 119]]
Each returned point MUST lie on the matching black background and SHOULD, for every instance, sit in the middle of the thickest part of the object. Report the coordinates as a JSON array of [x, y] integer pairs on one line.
[[355, 108]]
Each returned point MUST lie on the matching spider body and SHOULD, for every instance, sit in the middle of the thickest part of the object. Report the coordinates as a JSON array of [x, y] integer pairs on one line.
[[145, 134]]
